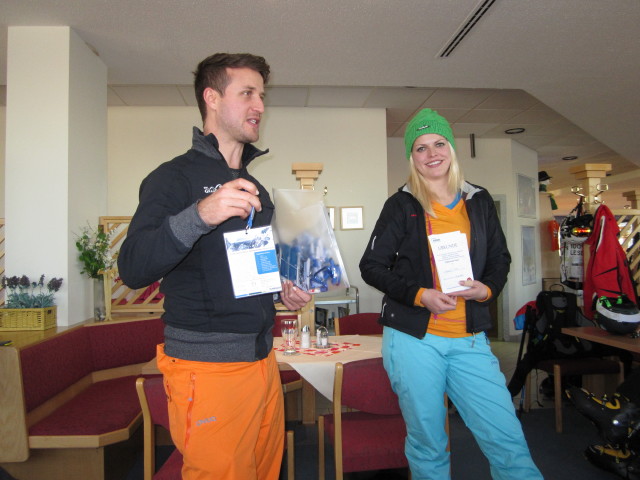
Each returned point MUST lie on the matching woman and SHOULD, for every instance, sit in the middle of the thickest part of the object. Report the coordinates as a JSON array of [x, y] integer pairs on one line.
[[434, 343]]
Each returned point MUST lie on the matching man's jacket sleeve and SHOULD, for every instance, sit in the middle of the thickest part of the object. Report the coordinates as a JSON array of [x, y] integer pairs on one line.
[[156, 241]]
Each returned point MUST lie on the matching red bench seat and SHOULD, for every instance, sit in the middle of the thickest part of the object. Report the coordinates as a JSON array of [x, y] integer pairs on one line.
[[104, 407], [74, 394]]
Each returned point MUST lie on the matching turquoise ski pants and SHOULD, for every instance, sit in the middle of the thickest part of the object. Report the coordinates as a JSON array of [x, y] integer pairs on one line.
[[422, 371]]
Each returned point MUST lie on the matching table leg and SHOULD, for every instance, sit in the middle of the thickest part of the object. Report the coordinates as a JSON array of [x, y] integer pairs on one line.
[[308, 403], [292, 406]]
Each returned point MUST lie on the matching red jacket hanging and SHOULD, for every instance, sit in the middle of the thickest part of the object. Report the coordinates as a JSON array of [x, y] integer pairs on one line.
[[608, 270]]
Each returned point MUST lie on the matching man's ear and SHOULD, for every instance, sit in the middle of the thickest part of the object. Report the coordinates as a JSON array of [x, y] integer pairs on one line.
[[211, 97]]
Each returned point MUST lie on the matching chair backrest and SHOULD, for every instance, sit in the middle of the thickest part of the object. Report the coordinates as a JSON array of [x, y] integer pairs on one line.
[[153, 401], [358, 323], [364, 386], [156, 400]]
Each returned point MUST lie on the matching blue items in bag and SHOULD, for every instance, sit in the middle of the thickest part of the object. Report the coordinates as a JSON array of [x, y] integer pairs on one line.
[[308, 265], [305, 242]]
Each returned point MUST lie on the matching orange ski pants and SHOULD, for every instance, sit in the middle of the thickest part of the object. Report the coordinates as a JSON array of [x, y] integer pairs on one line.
[[227, 419]]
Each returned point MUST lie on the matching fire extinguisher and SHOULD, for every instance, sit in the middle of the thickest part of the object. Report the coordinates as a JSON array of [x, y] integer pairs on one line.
[[554, 231]]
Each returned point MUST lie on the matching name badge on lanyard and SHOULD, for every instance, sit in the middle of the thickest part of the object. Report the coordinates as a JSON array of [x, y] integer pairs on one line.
[[253, 262]]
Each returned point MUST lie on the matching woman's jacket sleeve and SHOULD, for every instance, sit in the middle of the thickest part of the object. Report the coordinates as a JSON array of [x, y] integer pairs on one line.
[[385, 264]]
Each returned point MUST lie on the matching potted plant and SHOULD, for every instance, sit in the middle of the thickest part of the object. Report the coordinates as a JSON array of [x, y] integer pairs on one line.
[[30, 305], [94, 254]]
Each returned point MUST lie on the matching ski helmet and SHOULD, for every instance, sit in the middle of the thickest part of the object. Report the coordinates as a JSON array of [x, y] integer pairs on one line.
[[617, 315]]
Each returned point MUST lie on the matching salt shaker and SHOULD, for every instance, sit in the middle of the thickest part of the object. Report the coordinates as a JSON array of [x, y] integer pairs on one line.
[[305, 337]]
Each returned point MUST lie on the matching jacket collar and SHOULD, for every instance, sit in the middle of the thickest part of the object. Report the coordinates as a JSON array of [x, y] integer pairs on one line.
[[468, 190], [208, 144]]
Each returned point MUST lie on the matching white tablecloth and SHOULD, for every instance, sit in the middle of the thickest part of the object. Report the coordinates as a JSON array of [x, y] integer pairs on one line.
[[319, 370]]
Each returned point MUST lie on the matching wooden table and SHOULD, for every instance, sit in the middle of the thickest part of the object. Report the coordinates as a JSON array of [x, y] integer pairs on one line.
[[599, 335]]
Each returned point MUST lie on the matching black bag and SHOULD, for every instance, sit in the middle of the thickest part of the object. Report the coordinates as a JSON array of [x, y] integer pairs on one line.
[[544, 340]]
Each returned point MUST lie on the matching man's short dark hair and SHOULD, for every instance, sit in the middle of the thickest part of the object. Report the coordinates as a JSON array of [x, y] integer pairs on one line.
[[212, 73]]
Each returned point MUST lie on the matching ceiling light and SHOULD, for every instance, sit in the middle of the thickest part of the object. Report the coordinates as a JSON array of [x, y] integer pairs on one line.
[[514, 131], [570, 157]]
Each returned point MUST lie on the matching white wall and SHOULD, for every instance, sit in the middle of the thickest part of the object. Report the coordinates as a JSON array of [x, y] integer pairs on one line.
[[3, 129], [54, 168], [351, 143], [139, 139], [525, 162], [398, 165], [357, 171], [87, 167]]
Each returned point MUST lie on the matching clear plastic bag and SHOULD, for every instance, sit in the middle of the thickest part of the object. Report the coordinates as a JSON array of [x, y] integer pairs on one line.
[[308, 253]]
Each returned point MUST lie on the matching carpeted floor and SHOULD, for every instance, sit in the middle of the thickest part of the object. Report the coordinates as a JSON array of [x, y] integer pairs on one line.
[[559, 456]]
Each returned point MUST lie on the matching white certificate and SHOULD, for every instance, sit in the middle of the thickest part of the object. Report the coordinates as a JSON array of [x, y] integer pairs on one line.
[[253, 262], [451, 256]]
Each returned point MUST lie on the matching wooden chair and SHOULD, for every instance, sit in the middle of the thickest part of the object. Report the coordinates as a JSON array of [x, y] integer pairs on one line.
[[358, 324], [371, 438], [153, 401], [154, 412], [586, 367]]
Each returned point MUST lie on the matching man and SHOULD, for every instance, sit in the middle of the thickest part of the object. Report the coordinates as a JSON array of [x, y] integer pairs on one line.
[[220, 373]]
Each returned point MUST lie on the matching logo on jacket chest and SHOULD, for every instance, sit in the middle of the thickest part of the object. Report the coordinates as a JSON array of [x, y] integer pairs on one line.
[[211, 189]]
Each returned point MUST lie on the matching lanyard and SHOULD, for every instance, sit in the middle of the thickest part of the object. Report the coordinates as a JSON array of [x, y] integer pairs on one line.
[[432, 259]]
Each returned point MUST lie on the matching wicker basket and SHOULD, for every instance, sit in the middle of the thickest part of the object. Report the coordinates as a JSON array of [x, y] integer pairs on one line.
[[27, 318]]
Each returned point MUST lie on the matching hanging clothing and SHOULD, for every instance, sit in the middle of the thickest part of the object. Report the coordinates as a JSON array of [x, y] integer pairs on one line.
[[608, 271]]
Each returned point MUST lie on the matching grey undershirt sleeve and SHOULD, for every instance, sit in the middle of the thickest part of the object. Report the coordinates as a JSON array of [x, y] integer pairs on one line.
[[188, 227]]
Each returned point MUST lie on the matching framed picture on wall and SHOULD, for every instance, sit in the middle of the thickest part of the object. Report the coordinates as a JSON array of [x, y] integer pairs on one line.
[[528, 256], [526, 196], [351, 218]]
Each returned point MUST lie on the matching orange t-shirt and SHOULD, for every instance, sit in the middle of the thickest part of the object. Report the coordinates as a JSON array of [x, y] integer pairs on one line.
[[452, 323]]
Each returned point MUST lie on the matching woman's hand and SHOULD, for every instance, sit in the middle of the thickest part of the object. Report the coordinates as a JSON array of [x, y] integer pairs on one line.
[[292, 297], [476, 291], [437, 302]]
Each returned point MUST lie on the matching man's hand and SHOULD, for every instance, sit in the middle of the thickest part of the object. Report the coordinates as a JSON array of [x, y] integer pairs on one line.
[[292, 297], [476, 291], [233, 199], [437, 302]]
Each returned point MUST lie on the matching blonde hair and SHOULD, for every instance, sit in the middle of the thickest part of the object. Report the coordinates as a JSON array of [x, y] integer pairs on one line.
[[420, 188]]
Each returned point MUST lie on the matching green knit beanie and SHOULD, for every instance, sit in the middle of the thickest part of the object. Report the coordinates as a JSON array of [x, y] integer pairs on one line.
[[427, 121]]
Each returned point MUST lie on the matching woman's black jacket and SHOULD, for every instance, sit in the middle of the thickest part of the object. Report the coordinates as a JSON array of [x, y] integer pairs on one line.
[[397, 260]]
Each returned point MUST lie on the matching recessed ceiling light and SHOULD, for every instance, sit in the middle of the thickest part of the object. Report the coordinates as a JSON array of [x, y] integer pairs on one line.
[[514, 131], [570, 157]]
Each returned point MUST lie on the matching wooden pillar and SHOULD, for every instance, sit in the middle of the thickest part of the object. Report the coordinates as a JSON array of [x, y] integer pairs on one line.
[[633, 196], [590, 175], [307, 173]]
